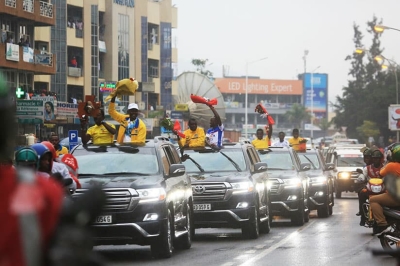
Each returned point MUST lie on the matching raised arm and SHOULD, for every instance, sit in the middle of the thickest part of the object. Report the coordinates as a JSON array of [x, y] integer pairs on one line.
[[216, 115]]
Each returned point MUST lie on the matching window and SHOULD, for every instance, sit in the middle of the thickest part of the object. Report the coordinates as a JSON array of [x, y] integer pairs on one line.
[[123, 46]]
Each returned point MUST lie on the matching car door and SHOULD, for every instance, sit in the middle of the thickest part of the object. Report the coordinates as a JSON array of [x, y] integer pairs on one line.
[[303, 175], [260, 179]]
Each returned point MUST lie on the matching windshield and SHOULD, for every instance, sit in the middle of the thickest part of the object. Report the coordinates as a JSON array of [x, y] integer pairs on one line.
[[310, 158], [215, 161], [143, 162], [280, 161], [352, 160]]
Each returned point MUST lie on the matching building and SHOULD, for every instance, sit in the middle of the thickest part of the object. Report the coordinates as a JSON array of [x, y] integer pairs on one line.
[[22, 56]]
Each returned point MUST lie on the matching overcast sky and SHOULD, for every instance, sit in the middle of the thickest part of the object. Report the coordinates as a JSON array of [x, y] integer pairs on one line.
[[231, 32]]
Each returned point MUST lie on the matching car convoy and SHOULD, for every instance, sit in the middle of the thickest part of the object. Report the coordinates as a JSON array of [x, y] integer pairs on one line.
[[158, 195]]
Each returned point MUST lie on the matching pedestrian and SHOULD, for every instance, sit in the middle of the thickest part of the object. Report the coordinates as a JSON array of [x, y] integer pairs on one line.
[[215, 133], [132, 128], [295, 141], [194, 136], [55, 140], [101, 133]]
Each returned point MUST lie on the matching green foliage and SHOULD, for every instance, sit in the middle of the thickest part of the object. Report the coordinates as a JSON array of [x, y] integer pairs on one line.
[[368, 129], [369, 91], [297, 115], [200, 65]]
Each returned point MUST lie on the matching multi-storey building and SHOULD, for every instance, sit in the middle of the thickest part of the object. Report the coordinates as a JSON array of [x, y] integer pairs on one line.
[[22, 55]]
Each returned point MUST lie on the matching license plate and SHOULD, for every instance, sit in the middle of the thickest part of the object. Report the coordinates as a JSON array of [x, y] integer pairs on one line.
[[103, 219], [376, 189], [202, 207]]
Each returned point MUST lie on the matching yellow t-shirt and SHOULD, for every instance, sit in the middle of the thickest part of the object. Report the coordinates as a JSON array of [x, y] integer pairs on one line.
[[195, 138], [63, 150], [261, 143], [100, 134], [295, 143]]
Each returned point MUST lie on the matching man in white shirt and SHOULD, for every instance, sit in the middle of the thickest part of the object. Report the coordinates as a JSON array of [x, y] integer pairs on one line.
[[282, 142], [215, 134]]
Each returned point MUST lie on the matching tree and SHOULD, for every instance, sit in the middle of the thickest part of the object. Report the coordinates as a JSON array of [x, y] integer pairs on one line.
[[297, 115], [368, 129], [200, 65]]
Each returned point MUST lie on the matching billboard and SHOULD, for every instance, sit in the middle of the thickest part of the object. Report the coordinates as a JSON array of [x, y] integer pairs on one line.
[[30, 111], [319, 84], [259, 86], [394, 117]]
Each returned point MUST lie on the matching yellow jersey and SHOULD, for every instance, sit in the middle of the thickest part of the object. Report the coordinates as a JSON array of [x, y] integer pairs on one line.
[[100, 134], [261, 143], [295, 143], [61, 151], [195, 138]]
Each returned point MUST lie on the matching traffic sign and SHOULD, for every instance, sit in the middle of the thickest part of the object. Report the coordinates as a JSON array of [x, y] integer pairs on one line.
[[73, 138]]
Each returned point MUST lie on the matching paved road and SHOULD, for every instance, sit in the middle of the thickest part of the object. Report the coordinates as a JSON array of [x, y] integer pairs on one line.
[[337, 240]]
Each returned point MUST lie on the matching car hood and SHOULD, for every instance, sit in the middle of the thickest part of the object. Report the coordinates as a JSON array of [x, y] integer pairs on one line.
[[348, 169], [135, 182], [218, 177], [282, 174]]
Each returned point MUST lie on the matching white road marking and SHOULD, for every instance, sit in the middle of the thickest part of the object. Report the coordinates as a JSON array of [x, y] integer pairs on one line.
[[251, 251], [269, 241], [227, 264], [275, 246]]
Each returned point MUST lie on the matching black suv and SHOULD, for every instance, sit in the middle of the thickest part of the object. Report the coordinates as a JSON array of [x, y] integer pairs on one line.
[[230, 188], [149, 195], [288, 183], [321, 182]]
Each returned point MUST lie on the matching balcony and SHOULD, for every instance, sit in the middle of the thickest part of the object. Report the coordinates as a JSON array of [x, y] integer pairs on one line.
[[30, 60], [39, 12], [74, 72], [74, 37]]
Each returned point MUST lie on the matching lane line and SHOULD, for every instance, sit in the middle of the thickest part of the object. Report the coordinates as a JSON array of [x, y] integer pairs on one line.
[[277, 245]]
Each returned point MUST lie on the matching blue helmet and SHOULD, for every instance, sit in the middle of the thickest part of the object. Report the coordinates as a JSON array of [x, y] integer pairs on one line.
[[41, 150]]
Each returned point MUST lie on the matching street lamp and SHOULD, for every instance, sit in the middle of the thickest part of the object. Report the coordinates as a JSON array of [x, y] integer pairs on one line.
[[246, 94], [312, 102], [382, 28]]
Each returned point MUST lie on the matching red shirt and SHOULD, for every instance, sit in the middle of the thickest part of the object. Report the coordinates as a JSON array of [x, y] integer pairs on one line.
[[48, 203]]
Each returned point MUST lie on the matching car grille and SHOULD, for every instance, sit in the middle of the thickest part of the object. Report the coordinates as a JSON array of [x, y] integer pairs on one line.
[[276, 185], [209, 191], [116, 199]]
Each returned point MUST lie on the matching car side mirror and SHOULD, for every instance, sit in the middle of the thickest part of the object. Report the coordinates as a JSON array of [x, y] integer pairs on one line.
[[176, 170], [305, 167], [392, 184], [330, 166], [260, 167]]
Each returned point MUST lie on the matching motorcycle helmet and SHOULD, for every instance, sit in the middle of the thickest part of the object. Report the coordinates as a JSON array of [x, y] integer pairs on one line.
[[395, 153], [51, 148], [26, 156], [376, 154], [41, 150], [367, 152]]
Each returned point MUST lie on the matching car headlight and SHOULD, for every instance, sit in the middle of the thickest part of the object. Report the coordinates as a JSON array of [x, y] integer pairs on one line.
[[319, 180], [151, 194], [293, 182], [241, 187], [344, 175]]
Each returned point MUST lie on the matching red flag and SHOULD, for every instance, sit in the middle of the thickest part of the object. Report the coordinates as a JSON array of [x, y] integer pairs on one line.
[[262, 110], [203, 100], [177, 129]]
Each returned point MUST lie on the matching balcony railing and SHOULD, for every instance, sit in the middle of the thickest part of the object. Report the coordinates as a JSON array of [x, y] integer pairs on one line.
[[11, 3], [46, 9], [44, 59], [28, 6], [74, 72], [78, 33]]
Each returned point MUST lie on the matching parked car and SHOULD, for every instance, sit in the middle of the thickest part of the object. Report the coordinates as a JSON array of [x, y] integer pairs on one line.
[[149, 194], [230, 188], [65, 142], [321, 177], [288, 182]]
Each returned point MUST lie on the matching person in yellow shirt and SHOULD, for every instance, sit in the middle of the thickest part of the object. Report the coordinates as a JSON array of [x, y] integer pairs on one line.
[[260, 142], [60, 150], [195, 136], [295, 140], [132, 129], [100, 133]]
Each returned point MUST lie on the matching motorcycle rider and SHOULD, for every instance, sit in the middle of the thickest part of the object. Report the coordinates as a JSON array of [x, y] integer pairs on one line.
[[385, 199], [370, 171]]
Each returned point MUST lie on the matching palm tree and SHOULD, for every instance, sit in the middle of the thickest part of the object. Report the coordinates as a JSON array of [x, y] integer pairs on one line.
[[297, 115]]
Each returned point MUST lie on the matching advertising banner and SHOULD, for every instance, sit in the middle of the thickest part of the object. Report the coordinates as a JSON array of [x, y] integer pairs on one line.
[[394, 117], [65, 110], [28, 54], [320, 92], [12, 52], [259, 86], [49, 106], [30, 111]]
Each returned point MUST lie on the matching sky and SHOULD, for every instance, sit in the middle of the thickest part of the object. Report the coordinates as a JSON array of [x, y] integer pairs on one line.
[[233, 32]]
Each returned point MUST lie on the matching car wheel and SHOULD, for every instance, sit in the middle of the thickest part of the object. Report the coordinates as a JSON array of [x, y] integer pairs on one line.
[[252, 228], [265, 227], [163, 247], [185, 241], [297, 218]]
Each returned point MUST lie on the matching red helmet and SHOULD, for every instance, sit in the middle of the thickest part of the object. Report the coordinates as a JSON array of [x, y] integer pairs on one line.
[[51, 148]]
